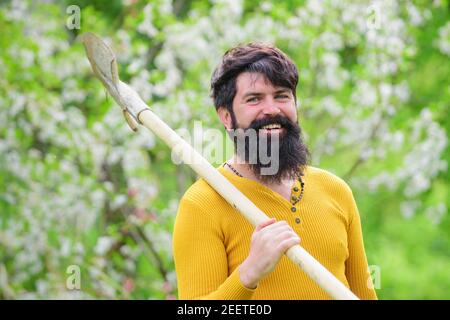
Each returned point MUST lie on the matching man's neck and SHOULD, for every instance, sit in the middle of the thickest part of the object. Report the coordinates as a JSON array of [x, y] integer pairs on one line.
[[283, 187]]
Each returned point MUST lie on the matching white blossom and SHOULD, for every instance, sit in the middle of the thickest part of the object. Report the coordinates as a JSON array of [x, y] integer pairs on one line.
[[103, 245], [436, 213], [409, 208], [443, 42], [146, 27]]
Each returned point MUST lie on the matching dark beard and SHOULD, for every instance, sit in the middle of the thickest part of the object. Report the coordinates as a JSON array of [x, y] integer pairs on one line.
[[293, 154]]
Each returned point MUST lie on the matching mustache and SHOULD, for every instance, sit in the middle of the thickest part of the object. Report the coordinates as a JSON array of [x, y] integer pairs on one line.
[[283, 121]]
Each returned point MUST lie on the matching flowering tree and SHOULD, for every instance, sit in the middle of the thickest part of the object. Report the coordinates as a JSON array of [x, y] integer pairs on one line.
[[87, 206]]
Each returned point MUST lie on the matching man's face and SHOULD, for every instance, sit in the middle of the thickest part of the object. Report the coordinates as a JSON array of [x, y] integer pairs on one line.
[[269, 113], [257, 99]]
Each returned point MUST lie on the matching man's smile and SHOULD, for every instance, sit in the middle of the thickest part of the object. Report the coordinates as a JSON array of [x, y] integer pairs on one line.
[[272, 128]]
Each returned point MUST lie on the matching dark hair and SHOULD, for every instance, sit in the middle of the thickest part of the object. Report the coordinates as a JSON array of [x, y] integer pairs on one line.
[[252, 57]]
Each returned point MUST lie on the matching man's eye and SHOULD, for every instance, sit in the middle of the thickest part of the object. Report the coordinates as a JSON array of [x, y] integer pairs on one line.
[[282, 96], [254, 99]]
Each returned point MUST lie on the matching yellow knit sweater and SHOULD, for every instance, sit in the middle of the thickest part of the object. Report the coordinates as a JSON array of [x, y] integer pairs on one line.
[[211, 239]]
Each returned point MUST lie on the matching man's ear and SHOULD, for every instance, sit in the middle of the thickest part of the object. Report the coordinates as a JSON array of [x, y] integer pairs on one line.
[[225, 117]]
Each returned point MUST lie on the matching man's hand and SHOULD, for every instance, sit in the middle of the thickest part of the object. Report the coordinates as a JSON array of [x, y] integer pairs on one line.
[[270, 241]]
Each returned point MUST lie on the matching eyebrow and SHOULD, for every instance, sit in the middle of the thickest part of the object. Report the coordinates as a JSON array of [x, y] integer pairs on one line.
[[248, 94]]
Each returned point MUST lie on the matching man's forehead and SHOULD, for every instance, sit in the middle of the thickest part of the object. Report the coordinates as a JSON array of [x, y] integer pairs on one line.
[[247, 81]]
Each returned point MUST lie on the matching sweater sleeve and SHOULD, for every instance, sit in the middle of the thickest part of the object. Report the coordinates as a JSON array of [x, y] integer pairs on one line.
[[357, 269], [200, 257]]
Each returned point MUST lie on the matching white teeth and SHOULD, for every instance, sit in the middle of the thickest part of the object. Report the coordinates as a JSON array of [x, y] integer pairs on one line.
[[272, 126]]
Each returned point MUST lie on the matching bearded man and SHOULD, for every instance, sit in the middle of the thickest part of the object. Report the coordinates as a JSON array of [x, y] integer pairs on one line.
[[218, 254]]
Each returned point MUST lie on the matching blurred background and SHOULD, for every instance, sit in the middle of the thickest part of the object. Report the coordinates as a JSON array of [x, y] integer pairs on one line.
[[87, 206]]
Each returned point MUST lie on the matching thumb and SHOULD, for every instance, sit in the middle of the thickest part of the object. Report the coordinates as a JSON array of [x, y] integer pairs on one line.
[[265, 224]]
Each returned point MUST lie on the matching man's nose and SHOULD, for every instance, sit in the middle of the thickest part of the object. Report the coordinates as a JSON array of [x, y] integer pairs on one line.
[[270, 108]]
